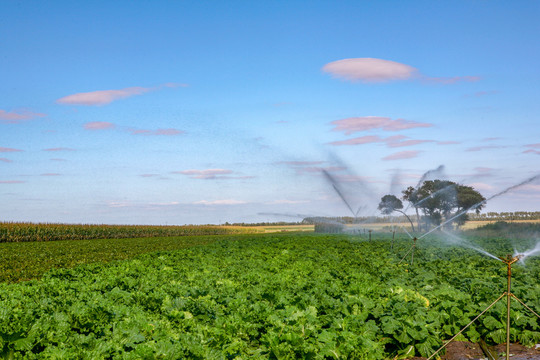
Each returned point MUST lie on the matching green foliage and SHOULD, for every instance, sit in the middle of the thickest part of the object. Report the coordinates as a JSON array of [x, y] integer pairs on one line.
[[442, 200], [389, 204], [275, 296]]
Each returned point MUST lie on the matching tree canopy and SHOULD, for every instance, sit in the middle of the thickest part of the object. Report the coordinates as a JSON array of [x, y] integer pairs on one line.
[[443, 201]]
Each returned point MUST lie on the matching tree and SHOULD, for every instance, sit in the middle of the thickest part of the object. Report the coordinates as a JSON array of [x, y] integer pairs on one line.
[[389, 204], [443, 201]]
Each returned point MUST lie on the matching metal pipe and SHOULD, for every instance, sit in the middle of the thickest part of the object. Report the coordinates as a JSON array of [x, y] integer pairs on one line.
[[466, 326], [508, 295], [414, 247], [509, 260]]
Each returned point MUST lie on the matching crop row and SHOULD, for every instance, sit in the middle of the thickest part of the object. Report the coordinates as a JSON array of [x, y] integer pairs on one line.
[[23, 232], [278, 296]]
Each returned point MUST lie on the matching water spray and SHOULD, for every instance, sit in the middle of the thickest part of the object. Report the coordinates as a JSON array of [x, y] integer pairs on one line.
[[524, 182], [509, 260]]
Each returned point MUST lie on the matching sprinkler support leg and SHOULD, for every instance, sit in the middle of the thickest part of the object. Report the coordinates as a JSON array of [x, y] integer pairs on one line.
[[508, 295]]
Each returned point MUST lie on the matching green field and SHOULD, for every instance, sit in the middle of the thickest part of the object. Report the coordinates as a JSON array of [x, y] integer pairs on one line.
[[267, 296]]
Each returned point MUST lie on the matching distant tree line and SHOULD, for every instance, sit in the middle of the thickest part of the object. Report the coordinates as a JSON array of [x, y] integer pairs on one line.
[[506, 216]]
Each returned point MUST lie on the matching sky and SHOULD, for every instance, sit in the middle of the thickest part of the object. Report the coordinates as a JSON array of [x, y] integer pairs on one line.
[[206, 112]]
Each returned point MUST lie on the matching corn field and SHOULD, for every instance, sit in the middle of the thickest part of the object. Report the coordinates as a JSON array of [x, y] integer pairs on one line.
[[24, 232]]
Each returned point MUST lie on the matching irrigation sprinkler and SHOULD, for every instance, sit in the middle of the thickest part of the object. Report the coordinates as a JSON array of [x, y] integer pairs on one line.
[[508, 260], [411, 250]]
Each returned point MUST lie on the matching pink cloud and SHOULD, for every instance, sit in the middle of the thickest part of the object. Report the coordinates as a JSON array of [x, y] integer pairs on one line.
[[482, 186], [98, 125], [358, 124], [220, 202], [391, 141], [406, 143], [531, 151], [482, 93], [452, 80], [18, 117], [301, 163], [448, 142], [3, 149], [158, 132], [480, 148], [5, 160], [357, 141], [369, 70], [317, 169], [402, 155], [205, 174], [50, 174], [59, 149], [12, 182], [533, 146], [103, 97]]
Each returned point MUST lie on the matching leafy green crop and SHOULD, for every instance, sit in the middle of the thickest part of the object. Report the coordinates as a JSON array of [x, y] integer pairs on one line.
[[276, 296]]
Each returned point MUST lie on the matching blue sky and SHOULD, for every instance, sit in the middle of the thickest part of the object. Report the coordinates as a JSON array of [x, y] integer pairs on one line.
[[194, 112]]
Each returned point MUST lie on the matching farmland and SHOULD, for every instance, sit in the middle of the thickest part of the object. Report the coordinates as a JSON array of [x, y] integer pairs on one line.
[[268, 296]]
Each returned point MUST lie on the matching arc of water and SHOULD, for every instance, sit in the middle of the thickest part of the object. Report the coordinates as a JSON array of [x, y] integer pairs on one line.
[[469, 245], [333, 181], [439, 169], [446, 188], [527, 181]]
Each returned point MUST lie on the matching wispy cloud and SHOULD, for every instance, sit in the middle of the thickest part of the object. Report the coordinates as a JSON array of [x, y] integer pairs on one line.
[[50, 174], [59, 149], [391, 141], [532, 149], [15, 117], [300, 163], [372, 70], [211, 174], [6, 160], [482, 186], [162, 132], [311, 167], [12, 182], [365, 123], [402, 155], [451, 80], [399, 143], [482, 93], [220, 202], [448, 142], [486, 147], [357, 141], [285, 201], [98, 125], [104, 97], [369, 70], [4, 149]]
